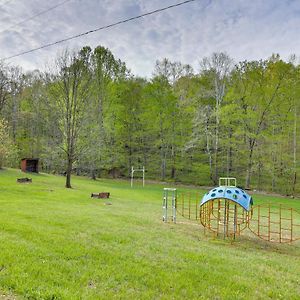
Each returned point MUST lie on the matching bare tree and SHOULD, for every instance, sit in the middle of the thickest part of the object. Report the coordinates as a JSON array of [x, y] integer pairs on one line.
[[105, 69], [69, 89], [4, 85], [172, 71], [16, 82], [218, 65]]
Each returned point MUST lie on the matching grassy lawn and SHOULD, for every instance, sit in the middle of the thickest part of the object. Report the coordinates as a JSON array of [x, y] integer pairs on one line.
[[61, 244]]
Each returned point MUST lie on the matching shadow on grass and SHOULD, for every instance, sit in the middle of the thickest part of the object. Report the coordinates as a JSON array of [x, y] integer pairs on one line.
[[254, 243], [245, 242]]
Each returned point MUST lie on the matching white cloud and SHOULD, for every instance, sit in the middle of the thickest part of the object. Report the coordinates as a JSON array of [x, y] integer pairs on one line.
[[244, 29]]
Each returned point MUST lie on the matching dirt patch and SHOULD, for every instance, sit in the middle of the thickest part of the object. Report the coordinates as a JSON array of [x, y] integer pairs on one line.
[[7, 296]]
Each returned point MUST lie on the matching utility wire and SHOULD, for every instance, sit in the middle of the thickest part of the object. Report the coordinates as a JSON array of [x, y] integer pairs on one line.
[[100, 28], [36, 15]]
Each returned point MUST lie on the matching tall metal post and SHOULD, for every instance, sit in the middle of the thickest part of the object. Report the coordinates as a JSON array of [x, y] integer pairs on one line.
[[143, 176], [225, 218], [174, 197], [132, 171], [165, 206], [235, 221]]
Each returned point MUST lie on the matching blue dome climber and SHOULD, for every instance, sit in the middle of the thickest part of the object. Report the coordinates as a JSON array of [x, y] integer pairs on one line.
[[232, 193]]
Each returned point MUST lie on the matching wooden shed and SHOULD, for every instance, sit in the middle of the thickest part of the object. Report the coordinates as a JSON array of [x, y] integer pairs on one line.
[[30, 165]]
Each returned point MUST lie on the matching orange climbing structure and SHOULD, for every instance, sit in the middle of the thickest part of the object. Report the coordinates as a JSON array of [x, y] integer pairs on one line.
[[228, 211]]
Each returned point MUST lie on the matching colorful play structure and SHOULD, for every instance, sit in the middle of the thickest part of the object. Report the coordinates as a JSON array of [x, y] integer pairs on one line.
[[228, 211]]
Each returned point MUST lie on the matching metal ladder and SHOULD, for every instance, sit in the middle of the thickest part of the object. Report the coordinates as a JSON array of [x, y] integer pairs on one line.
[[169, 193]]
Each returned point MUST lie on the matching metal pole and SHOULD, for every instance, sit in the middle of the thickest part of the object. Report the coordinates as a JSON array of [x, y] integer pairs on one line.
[[189, 206], [269, 224], [291, 224], [196, 206], [280, 223], [258, 220], [219, 216], [182, 204], [225, 218], [166, 206], [235, 221], [143, 176], [132, 176], [174, 206]]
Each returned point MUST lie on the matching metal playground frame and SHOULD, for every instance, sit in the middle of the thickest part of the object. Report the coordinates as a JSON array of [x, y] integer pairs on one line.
[[132, 175], [228, 211]]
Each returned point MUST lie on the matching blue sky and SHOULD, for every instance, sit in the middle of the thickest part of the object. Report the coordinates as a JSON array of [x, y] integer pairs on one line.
[[244, 29]]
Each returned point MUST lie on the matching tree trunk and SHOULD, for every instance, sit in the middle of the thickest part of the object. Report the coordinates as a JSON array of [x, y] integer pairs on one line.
[[229, 156], [163, 168], [93, 174], [216, 171], [295, 152], [173, 159], [248, 176], [208, 150], [209, 158], [173, 172], [259, 180], [68, 174], [14, 118], [250, 163], [273, 172], [173, 149]]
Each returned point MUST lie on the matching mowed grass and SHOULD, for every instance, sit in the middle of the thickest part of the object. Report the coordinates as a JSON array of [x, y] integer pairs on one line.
[[58, 243]]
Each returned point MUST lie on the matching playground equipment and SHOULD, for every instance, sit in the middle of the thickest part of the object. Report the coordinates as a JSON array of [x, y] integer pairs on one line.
[[169, 192], [137, 170], [228, 210], [275, 223]]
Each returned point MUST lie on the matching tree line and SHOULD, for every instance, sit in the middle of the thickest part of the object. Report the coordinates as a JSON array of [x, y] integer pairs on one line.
[[91, 116]]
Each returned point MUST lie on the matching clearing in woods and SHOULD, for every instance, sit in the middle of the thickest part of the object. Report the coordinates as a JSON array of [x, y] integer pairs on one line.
[[58, 243]]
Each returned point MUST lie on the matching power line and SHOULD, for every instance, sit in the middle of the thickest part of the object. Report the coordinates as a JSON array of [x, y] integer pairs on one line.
[[36, 15], [100, 28]]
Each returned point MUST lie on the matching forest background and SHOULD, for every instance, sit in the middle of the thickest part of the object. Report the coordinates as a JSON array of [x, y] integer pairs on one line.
[[89, 115]]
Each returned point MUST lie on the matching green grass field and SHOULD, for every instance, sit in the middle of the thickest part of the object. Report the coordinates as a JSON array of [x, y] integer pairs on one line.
[[57, 243]]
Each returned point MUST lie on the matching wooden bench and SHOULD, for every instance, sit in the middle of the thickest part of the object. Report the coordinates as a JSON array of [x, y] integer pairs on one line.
[[103, 195]]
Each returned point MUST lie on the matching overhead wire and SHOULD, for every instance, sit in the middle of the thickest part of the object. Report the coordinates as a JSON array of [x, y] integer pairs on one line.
[[35, 15], [100, 28]]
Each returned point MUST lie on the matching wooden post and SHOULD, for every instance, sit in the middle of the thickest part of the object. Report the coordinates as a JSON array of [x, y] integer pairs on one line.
[[280, 223], [132, 171], [143, 176], [182, 204], [219, 216], [291, 224], [269, 225], [258, 216], [189, 206], [196, 206]]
